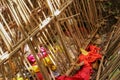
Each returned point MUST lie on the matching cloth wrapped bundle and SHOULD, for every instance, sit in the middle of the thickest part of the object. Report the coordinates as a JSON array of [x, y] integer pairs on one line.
[[85, 72]]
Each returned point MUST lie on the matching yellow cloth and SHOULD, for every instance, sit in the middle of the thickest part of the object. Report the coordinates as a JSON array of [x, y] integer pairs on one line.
[[53, 67], [35, 68], [84, 52], [19, 78], [47, 61], [57, 48]]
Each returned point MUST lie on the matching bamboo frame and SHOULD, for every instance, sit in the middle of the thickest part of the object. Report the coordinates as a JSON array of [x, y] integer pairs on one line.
[[22, 16]]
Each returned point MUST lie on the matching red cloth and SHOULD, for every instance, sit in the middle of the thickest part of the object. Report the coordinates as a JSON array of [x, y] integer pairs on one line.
[[68, 78], [90, 58], [85, 72], [93, 55], [82, 74], [39, 75]]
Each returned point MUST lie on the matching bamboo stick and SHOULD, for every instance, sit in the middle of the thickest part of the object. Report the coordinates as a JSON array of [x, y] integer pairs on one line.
[[6, 24], [17, 61], [80, 20], [14, 15], [60, 35], [11, 69], [39, 63], [37, 44], [3, 72], [68, 41], [1, 51], [89, 22], [59, 53], [58, 59], [53, 55], [50, 6], [5, 37], [114, 66], [30, 12], [76, 27], [28, 66], [55, 36], [99, 70]]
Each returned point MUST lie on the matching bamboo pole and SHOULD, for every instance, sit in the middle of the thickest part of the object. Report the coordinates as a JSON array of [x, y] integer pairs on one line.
[[17, 61], [104, 51], [85, 14], [58, 53], [3, 72], [30, 12], [76, 27], [5, 37], [28, 66], [68, 44], [62, 42], [54, 54], [39, 63], [16, 18], [37, 44], [6, 24], [57, 41], [80, 20]]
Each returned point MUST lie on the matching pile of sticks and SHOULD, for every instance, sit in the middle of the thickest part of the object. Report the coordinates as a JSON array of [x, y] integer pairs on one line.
[[110, 61], [62, 27]]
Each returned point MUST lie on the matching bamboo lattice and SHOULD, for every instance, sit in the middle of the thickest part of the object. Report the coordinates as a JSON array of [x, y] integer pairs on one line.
[[62, 27]]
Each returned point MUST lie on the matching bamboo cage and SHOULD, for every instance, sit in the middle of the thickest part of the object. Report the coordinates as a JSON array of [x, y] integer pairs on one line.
[[61, 27]]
